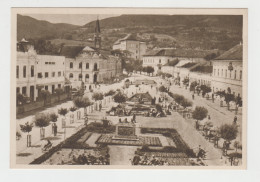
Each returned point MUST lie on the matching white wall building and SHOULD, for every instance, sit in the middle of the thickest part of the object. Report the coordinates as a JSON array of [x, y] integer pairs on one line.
[[227, 71]]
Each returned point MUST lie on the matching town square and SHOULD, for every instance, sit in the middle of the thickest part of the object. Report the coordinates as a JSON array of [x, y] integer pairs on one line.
[[140, 94]]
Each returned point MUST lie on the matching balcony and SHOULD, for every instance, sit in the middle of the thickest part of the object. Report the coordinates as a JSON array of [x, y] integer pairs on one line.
[[95, 70]]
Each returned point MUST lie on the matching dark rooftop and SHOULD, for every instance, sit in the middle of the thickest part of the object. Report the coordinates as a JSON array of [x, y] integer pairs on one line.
[[235, 53]]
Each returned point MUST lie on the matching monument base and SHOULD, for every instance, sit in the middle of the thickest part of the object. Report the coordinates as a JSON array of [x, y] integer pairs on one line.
[[125, 131]]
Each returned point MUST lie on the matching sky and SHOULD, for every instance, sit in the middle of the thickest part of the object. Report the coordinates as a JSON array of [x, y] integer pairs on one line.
[[74, 19]]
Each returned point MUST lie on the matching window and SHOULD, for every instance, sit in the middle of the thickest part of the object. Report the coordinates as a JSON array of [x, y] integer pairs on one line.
[[221, 72], [39, 75], [71, 75], [32, 71], [18, 90], [71, 65], [24, 90], [46, 87], [46, 74], [218, 72], [59, 74], [160, 61], [86, 77], [46, 62], [59, 85], [240, 75], [80, 65], [24, 71], [95, 67], [226, 73], [80, 77], [17, 71], [168, 61], [235, 75], [214, 72], [53, 74], [230, 74], [52, 89]]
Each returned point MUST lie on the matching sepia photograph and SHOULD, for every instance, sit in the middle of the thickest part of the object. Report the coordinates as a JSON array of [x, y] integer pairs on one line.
[[128, 88]]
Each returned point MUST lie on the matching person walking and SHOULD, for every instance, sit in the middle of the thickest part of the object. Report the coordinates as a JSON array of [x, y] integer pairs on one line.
[[235, 120], [193, 96]]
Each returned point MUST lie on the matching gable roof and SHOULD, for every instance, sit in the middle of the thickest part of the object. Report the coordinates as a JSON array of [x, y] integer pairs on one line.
[[188, 53], [235, 53]]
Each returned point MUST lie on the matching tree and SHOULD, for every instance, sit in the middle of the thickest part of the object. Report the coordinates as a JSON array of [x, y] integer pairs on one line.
[[97, 96], [63, 111], [228, 132], [228, 98], [53, 119], [205, 89], [58, 91], [120, 97], [237, 145], [72, 109], [162, 89], [27, 128], [186, 103], [20, 99], [193, 85], [199, 113], [110, 92], [82, 102], [149, 69], [178, 98], [158, 107], [185, 81], [42, 120], [129, 68], [45, 94]]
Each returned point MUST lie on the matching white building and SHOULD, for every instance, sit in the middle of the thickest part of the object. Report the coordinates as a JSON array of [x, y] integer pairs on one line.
[[227, 71], [36, 72], [130, 43]]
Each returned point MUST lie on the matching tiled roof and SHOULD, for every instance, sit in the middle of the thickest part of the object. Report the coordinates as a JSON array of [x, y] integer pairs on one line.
[[235, 53], [189, 53]]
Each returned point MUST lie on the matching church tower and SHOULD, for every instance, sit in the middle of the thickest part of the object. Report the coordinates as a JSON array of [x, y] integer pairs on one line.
[[97, 37]]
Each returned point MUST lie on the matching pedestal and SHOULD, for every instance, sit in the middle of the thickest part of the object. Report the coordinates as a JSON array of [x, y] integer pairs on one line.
[[126, 131]]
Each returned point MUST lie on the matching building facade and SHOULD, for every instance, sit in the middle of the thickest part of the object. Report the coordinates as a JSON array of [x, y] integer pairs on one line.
[[36, 72], [90, 66], [135, 47], [228, 71]]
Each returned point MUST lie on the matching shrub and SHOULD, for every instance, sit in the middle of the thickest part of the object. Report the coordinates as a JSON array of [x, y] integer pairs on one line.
[[162, 89], [82, 102], [97, 96], [110, 92], [42, 120], [63, 111], [199, 113], [186, 103], [228, 132], [53, 117], [178, 98], [120, 97], [27, 127], [72, 109], [193, 85]]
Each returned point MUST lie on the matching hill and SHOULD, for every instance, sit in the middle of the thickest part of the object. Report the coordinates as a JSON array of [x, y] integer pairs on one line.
[[31, 28]]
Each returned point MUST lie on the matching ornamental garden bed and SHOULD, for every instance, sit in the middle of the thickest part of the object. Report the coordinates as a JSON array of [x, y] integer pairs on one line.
[[141, 140]]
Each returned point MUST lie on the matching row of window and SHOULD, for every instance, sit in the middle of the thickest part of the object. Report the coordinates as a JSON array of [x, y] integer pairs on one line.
[[49, 62], [152, 61], [46, 74], [80, 76], [46, 87], [24, 71], [87, 66], [218, 72]]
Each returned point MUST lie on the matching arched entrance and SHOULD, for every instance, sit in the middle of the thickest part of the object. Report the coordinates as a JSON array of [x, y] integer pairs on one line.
[[95, 78]]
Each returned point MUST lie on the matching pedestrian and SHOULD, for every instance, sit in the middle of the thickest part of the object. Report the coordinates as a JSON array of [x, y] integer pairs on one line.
[[100, 107], [235, 120], [193, 96], [55, 129], [134, 118], [212, 97]]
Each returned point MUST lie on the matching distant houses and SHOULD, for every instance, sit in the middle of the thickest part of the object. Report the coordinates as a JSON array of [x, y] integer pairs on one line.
[[223, 73], [130, 43]]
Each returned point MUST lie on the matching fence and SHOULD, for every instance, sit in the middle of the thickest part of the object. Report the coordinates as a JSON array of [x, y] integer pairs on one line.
[[39, 104]]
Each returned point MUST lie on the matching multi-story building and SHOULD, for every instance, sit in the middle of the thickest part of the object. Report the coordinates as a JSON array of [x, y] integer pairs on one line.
[[159, 58], [135, 47], [26, 61], [90, 65], [227, 71], [36, 72]]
